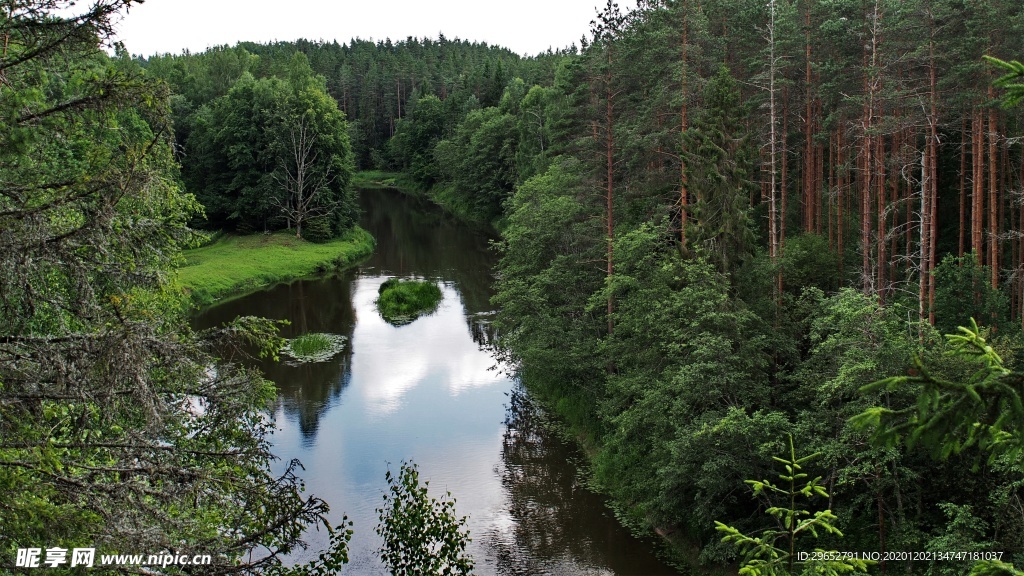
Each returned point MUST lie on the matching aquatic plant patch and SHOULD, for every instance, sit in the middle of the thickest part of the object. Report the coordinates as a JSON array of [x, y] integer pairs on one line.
[[314, 347], [402, 301]]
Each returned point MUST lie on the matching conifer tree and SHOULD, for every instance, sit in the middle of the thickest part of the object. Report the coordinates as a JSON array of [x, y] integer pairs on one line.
[[720, 164]]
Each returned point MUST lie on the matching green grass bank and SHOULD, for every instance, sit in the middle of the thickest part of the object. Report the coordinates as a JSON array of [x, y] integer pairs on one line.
[[235, 265], [379, 179]]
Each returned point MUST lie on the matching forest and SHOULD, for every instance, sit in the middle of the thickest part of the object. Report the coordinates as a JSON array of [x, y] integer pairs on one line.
[[733, 233]]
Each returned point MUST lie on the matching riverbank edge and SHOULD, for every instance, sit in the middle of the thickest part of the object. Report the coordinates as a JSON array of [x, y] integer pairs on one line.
[[570, 422], [379, 180], [233, 265], [383, 180]]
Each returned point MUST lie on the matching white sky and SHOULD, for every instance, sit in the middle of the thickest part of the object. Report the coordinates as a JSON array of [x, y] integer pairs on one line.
[[526, 26]]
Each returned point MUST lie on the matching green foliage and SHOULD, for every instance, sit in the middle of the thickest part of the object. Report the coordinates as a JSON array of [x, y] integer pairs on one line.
[[402, 301], [1013, 73], [854, 341], [377, 179], [687, 365], [308, 344], [330, 561], [985, 410], [478, 160], [963, 290], [808, 262], [546, 280], [314, 347], [318, 230], [422, 535], [243, 155], [964, 532], [994, 568], [412, 146], [967, 398], [775, 551], [119, 428], [720, 175]]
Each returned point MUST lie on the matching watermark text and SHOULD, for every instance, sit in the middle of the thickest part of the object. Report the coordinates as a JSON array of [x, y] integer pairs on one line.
[[87, 557]]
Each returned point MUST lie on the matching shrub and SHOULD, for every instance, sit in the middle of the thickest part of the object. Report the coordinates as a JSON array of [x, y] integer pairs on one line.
[[318, 230]]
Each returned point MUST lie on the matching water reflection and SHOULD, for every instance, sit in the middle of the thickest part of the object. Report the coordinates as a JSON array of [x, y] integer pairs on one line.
[[554, 524], [398, 358], [429, 391], [415, 238], [305, 391]]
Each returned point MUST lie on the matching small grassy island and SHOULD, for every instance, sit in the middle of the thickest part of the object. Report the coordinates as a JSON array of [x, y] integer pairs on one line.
[[314, 347], [234, 265], [402, 301]]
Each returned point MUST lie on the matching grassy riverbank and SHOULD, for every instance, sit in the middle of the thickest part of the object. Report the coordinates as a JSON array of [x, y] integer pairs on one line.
[[234, 265], [379, 179]]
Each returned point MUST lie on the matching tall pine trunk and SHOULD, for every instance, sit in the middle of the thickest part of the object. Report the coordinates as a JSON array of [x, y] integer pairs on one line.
[[993, 203], [684, 88]]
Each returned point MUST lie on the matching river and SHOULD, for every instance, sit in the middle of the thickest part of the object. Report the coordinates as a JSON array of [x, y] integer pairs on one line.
[[431, 392]]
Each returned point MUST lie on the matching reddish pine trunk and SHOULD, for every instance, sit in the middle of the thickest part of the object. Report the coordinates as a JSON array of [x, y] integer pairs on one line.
[[683, 197], [894, 195], [963, 184], [785, 163], [993, 203], [831, 188], [865, 199], [925, 230], [609, 165], [819, 171], [977, 186], [933, 179], [881, 240], [934, 218], [840, 197], [808, 179]]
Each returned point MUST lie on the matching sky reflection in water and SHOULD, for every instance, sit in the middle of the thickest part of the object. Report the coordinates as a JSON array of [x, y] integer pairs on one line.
[[430, 391]]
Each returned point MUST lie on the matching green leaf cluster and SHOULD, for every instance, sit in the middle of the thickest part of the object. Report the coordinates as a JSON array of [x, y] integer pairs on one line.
[[422, 535], [241, 152]]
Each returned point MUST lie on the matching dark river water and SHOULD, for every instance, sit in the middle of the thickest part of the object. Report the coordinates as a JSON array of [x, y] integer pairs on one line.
[[432, 392]]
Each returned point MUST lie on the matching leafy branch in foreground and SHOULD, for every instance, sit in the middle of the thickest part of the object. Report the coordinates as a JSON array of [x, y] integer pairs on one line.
[[121, 428], [1012, 81], [422, 535], [984, 411], [774, 553]]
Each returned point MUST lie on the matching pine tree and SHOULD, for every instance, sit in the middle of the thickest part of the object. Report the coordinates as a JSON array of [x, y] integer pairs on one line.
[[720, 164]]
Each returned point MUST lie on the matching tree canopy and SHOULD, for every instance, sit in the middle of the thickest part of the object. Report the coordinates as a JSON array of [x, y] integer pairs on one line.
[[120, 428], [270, 153]]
